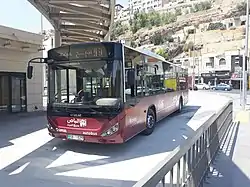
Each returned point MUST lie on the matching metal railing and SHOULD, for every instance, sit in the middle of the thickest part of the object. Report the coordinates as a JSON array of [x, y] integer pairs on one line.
[[188, 165]]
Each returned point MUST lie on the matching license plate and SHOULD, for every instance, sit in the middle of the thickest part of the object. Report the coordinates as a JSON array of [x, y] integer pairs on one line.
[[75, 137]]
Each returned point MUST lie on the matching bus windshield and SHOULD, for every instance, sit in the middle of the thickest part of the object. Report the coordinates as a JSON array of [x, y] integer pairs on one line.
[[88, 83]]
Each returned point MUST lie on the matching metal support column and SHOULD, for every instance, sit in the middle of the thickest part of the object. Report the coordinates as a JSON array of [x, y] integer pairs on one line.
[[58, 41], [245, 56]]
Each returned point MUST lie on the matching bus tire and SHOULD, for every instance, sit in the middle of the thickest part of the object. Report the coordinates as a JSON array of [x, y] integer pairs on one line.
[[150, 122], [180, 106]]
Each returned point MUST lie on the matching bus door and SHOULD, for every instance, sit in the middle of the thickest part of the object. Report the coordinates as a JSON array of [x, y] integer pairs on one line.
[[131, 121]]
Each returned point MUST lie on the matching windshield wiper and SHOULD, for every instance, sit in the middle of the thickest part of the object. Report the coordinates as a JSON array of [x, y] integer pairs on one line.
[[84, 110]]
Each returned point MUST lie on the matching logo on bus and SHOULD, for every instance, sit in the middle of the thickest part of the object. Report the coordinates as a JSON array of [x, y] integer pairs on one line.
[[83, 123], [76, 122]]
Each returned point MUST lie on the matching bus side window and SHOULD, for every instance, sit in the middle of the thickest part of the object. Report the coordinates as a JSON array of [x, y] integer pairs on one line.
[[170, 82], [129, 88], [140, 86], [183, 79]]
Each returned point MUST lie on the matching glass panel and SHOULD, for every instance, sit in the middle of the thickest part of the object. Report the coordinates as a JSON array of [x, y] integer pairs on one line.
[[61, 93], [4, 93], [72, 82], [170, 80], [18, 97], [23, 94], [16, 94], [90, 82], [61, 85]]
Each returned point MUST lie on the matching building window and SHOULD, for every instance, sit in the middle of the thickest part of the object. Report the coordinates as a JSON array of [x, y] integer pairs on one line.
[[196, 61], [178, 62], [46, 73], [186, 62], [243, 23], [13, 92], [222, 62], [237, 61], [211, 62], [4, 93]]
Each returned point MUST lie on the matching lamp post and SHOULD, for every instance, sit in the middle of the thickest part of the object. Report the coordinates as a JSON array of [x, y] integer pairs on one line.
[[199, 64], [240, 76], [193, 74], [245, 56]]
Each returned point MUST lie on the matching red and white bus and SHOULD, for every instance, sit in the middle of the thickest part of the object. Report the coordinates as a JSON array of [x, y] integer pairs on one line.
[[107, 92]]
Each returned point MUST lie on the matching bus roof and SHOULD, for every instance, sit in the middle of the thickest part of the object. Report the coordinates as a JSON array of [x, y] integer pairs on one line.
[[153, 55], [147, 53]]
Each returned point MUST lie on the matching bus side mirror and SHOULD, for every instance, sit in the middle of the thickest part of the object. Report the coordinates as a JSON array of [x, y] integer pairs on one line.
[[30, 72], [131, 77]]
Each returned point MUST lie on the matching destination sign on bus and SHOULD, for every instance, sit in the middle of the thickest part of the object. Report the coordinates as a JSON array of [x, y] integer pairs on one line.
[[89, 52], [75, 52]]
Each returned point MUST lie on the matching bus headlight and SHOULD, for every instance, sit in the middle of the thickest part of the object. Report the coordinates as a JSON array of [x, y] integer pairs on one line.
[[50, 127], [111, 130]]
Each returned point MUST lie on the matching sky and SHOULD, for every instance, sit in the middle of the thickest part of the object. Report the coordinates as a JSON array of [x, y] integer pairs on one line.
[[22, 15]]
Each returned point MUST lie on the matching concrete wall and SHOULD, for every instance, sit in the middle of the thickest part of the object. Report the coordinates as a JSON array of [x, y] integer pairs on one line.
[[22, 46]]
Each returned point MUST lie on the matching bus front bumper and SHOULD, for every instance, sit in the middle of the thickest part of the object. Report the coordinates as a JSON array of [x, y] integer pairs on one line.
[[114, 139]]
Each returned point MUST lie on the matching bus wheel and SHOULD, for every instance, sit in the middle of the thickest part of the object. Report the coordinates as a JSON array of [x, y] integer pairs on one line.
[[180, 105], [150, 122]]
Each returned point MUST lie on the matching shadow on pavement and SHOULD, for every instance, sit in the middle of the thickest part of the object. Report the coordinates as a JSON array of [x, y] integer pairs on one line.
[[169, 134], [18, 180], [224, 172], [14, 126]]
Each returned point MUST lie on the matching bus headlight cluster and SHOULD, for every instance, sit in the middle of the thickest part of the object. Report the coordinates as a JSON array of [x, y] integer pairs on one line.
[[50, 127], [111, 130]]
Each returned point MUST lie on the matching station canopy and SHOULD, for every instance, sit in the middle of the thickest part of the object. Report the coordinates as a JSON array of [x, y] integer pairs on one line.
[[78, 20]]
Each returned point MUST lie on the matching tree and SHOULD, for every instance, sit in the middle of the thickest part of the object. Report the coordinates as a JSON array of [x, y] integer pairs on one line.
[[169, 38], [168, 18], [117, 30], [134, 25], [143, 20], [151, 19], [154, 18], [241, 8], [178, 12], [157, 39], [216, 26], [202, 6]]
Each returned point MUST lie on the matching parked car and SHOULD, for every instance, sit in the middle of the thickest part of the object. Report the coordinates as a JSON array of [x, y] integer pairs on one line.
[[202, 86], [195, 88], [222, 86]]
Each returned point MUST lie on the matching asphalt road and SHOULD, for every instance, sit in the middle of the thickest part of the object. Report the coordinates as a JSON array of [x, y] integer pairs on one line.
[[30, 157], [234, 91]]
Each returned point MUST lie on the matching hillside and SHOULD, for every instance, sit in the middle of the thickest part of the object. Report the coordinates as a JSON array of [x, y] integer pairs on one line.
[[170, 32]]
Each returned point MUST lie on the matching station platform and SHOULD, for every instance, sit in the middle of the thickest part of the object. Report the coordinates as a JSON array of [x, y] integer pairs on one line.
[[231, 167]]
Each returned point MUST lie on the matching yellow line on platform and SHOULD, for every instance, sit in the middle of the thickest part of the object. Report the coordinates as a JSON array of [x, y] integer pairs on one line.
[[242, 116]]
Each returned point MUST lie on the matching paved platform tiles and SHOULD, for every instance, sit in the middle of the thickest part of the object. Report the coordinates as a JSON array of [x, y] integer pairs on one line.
[[242, 117], [231, 167]]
